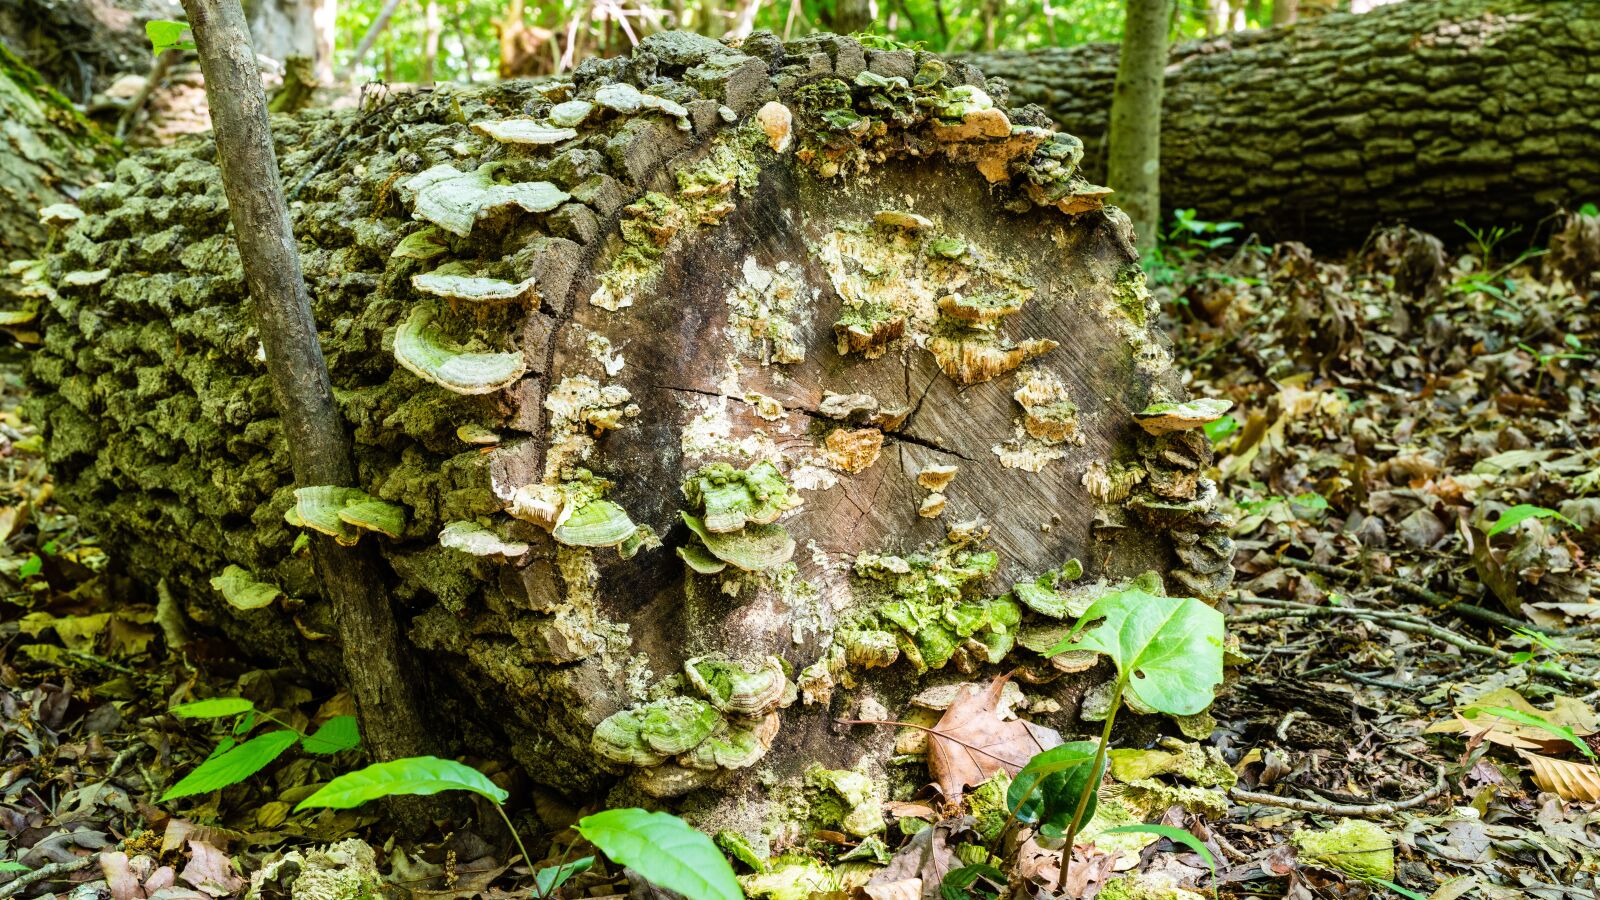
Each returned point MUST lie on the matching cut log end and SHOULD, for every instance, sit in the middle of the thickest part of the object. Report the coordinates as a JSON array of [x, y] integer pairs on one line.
[[731, 420]]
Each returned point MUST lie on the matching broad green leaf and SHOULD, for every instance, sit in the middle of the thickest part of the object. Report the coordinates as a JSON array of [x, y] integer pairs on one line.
[[1532, 721], [1167, 649], [31, 566], [235, 765], [1520, 513], [7, 865], [664, 850], [411, 775], [1048, 789], [167, 35], [958, 883], [336, 734], [215, 708], [546, 880], [1176, 835]]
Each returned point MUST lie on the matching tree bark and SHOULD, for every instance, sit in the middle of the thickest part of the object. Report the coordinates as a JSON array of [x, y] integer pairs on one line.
[[318, 449], [280, 29], [1477, 110], [617, 313], [48, 153], [379, 23], [1134, 158], [1285, 12]]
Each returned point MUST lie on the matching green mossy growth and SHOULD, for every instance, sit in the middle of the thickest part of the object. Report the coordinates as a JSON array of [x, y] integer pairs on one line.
[[1354, 846]]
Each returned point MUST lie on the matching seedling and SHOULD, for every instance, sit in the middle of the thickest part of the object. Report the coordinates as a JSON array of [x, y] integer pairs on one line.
[[1168, 654], [662, 848], [233, 762], [167, 35]]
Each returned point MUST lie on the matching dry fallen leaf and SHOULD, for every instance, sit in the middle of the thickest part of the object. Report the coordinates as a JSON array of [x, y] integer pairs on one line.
[[1568, 780], [210, 871], [971, 742]]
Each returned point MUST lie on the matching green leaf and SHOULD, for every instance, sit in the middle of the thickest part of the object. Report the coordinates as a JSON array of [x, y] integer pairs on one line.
[[31, 566], [958, 883], [664, 850], [1176, 835], [167, 35], [1167, 649], [1404, 892], [7, 865], [1220, 429], [336, 734], [1048, 789], [233, 766], [411, 775], [1520, 513], [1532, 721], [215, 708], [546, 880]]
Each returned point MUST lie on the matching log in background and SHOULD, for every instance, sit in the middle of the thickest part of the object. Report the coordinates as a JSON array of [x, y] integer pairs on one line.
[[1486, 111]]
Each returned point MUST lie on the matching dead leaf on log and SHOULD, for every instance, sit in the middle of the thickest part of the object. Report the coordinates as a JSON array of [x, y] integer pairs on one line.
[[1571, 781], [971, 741], [919, 867]]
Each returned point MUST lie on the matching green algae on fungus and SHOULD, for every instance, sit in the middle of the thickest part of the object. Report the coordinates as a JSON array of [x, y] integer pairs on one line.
[[1163, 418], [423, 244], [648, 735], [344, 512], [740, 690], [699, 559], [737, 743], [456, 200], [455, 282], [424, 352], [242, 590], [847, 799], [730, 498], [790, 877], [754, 548], [598, 523]]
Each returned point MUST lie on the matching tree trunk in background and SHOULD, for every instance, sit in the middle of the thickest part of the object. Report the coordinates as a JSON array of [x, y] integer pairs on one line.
[[1133, 166], [280, 29], [48, 153], [1480, 110], [1284, 12], [851, 16], [682, 299], [431, 27], [318, 449]]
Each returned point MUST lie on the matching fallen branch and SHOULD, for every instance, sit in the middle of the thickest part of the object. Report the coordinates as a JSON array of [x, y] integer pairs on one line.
[[1413, 625], [46, 873], [1357, 810], [1433, 598]]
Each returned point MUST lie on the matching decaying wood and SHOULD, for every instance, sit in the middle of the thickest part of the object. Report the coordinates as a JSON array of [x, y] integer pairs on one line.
[[1317, 132], [843, 275]]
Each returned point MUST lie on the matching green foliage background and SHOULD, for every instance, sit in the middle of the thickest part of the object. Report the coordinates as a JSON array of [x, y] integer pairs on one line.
[[469, 48]]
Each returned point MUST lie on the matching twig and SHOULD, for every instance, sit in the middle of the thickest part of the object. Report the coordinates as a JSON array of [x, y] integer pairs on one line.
[[1465, 610], [1358, 810], [46, 873], [1415, 625]]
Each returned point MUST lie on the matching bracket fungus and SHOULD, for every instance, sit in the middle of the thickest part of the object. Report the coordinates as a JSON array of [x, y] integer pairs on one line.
[[455, 283], [649, 735], [740, 690], [1163, 418], [730, 498], [425, 353], [753, 548], [478, 540], [343, 513], [456, 201], [528, 132]]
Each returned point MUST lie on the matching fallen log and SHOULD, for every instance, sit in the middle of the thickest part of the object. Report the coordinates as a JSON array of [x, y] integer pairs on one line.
[[697, 402], [1428, 112]]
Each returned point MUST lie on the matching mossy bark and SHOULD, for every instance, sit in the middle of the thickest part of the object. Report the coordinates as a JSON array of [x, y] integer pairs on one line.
[[48, 153], [1473, 110], [858, 280]]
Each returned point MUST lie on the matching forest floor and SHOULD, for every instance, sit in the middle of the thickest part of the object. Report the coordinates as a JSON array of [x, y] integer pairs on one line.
[[1413, 462]]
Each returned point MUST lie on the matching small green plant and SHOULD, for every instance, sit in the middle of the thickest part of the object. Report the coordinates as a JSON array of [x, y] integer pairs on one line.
[[1533, 721], [661, 847], [167, 35], [232, 761], [1188, 238], [1520, 513], [1539, 644], [1485, 240], [1575, 351], [8, 865], [1168, 655]]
